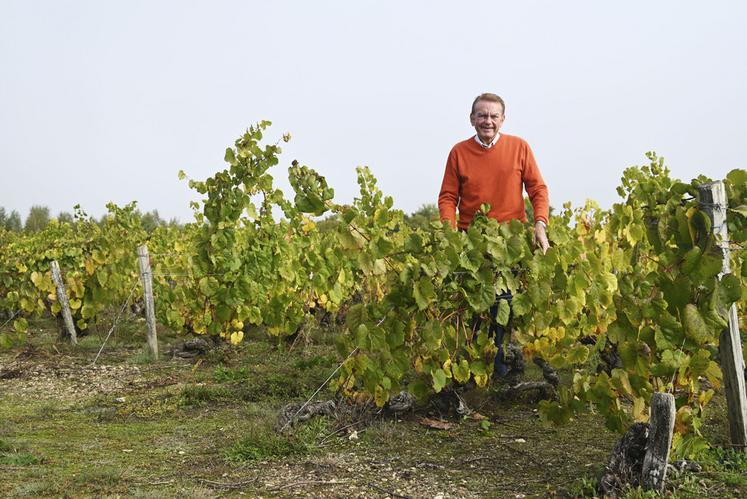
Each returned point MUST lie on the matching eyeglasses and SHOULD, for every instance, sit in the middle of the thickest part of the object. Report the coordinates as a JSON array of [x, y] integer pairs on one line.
[[484, 116]]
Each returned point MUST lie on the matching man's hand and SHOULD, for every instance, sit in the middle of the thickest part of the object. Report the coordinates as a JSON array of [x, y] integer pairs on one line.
[[540, 236]]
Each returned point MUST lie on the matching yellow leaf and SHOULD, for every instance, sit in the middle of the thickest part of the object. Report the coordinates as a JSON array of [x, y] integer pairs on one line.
[[419, 365], [236, 337]]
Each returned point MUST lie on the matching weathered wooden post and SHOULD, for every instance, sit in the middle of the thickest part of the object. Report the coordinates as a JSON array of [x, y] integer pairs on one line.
[[150, 312], [713, 202], [63, 301], [660, 428]]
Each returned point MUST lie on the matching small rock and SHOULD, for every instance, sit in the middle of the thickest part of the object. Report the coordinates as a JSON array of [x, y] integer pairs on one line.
[[120, 400], [520, 441], [353, 435]]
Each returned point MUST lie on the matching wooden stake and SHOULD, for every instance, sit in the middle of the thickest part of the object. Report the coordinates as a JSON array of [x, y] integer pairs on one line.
[[63, 301], [713, 202], [660, 429], [150, 311]]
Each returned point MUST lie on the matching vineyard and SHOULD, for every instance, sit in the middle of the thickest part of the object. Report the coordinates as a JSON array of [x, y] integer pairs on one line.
[[626, 303]]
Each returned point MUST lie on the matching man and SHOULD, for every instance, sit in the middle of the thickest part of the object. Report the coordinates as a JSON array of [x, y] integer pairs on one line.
[[493, 168]]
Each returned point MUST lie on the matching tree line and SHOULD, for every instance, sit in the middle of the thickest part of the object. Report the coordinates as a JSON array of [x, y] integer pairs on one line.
[[39, 217]]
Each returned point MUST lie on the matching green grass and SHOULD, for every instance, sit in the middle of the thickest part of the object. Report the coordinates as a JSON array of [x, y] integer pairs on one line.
[[11, 455]]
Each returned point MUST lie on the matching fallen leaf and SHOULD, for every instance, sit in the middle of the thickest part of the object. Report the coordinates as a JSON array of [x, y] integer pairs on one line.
[[436, 424]]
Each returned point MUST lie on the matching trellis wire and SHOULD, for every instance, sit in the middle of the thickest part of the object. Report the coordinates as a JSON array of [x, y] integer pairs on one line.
[[114, 323]]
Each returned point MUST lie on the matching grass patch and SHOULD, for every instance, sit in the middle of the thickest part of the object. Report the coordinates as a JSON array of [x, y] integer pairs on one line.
[[224, 374], [150, 407], [13, 456], [262, 442], [201, 395]]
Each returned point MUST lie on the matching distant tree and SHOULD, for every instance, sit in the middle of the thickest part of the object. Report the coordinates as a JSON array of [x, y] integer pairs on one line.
[[3, 217], [65, 217], [101, 221], [423, 216], [328, 224], [38, 219], [151, 220], [530, 210], [13, 222]]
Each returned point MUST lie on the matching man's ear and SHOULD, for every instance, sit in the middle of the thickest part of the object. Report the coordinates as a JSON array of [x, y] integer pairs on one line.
[[472, 119]]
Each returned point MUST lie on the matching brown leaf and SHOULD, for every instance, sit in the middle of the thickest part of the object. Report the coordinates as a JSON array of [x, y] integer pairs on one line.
[[436, 424]]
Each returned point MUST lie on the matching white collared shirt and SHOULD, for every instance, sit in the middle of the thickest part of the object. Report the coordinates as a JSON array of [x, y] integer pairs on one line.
[[492, 143]]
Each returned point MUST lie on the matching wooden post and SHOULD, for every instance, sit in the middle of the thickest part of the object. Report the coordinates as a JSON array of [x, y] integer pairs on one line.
[[150, 312], [63, 301], [713, 202], [660, 428]]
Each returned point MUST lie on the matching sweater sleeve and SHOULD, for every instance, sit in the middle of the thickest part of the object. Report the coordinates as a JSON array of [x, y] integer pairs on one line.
[[448, 198], [535, 187]]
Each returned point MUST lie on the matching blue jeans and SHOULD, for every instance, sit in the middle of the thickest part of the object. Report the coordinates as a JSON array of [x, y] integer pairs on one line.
[[500, 368]]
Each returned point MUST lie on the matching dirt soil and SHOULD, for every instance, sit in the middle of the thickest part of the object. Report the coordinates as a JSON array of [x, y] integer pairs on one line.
[[205, 427]]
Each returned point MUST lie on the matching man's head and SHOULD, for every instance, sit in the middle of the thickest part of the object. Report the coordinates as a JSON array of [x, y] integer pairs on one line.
[[488, 113]]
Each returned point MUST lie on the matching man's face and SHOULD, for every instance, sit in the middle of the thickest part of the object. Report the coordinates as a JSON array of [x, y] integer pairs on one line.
[[487, 119]]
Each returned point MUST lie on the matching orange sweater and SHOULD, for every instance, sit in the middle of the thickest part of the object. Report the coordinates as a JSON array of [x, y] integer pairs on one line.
[[495, 176]]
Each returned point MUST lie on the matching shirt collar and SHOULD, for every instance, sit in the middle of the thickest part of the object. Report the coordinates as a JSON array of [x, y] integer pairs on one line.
[[488, 146]]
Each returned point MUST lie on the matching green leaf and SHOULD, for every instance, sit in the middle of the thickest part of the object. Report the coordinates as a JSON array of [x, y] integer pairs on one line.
[[691, 260], [552, 412], [432, 334], [461, 371], [504, 312], [695, 326], [21, 325], [396, 335], [521, 304], [439, 380], [423, 292], [662, 340], [731, 288], [209, 285], [709, 266], [621, 381], [36, 278], [699, 363], [578, 355], [356, 316], [230, 157], [361, 337]]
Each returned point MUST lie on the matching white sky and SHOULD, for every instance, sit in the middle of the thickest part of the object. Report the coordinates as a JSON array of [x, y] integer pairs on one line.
[[105, 101]]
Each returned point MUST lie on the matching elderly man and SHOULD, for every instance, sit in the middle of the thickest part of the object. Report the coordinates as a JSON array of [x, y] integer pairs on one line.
[[493, 168]]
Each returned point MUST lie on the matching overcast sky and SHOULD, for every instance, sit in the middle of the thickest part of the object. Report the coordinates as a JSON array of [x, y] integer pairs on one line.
[[106, 101]]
